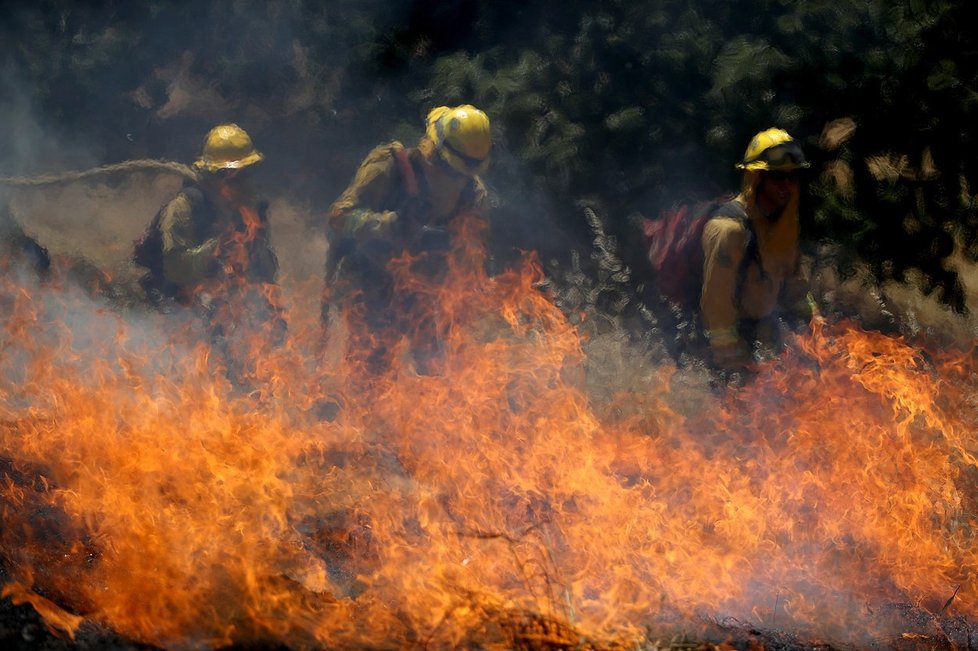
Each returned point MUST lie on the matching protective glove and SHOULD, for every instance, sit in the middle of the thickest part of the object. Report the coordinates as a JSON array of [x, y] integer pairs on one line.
[[802, 313], [365, 224], [382, 220]]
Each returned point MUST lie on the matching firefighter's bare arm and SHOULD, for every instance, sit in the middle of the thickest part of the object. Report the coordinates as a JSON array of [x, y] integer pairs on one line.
[[724, 246], [186, 261]]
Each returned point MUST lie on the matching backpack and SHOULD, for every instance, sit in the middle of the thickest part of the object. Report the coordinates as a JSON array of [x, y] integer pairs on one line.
[[147, 250], [675, 251]]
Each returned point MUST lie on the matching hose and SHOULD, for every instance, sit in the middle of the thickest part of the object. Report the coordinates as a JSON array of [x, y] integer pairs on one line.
[[126, 166]]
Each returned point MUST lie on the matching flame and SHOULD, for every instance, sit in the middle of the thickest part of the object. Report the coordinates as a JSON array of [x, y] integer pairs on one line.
[[243, 230], [493, 500]]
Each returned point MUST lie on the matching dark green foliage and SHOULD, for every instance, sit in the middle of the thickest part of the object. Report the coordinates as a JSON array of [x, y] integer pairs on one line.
[[627, 106], [638, 105]]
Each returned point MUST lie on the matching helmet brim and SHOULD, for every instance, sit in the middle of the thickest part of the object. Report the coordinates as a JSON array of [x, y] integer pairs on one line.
[[763, 166], [214, 166]]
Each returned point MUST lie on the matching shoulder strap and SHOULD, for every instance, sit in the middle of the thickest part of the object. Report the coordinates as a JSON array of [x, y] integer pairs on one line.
[[734, 210], [731, 209], [752, 253], [408, 174]]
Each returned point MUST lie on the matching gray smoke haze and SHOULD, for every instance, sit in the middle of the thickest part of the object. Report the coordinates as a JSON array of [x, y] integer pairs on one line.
[[306, 107], [31, 142]]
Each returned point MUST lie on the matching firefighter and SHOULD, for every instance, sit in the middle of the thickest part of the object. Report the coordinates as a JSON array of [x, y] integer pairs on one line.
[[752, 274], [214, 232], [208, 249], [402, 201]]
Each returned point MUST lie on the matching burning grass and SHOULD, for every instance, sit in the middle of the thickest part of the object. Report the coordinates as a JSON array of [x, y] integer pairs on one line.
[[519, 495]]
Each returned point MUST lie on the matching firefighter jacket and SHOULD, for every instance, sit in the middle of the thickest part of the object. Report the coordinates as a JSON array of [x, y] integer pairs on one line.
[[202, 239], [751, 271], [398, 203]]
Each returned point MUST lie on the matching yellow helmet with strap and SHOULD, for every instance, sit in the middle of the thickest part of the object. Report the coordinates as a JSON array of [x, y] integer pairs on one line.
[[227, 146], [773, 150], [461, 137]]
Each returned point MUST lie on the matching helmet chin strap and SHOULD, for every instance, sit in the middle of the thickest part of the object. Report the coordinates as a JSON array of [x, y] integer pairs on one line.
[[444, 166]]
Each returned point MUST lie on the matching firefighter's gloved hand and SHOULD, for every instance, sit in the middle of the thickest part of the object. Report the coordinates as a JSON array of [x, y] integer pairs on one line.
[[381, 220], [365, 224], [803, 313]]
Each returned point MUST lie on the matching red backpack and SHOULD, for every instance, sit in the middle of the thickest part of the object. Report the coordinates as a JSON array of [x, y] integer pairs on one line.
[[675, 249]]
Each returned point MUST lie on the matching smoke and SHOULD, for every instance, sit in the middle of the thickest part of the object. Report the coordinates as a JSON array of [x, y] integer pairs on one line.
[[21, 141], [314, 116], [32, 142], [315, 86]]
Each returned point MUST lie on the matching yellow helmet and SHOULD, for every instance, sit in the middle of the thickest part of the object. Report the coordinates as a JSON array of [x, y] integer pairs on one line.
[[461, 137], [227, 146], [773, 150]]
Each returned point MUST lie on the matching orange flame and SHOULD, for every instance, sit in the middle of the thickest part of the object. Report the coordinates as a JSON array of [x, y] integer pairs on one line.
[[495, 502], [240, 235]]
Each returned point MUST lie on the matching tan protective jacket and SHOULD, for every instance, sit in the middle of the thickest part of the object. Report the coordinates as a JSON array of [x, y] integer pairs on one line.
[[193, 232], [387, 211], [379, 187], [736, 290]]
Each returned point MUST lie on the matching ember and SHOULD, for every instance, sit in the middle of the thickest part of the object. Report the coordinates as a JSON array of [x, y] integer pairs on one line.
[[495, 502]]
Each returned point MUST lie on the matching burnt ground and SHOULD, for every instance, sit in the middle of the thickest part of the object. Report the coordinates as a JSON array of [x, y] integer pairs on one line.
[[22, 629]]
